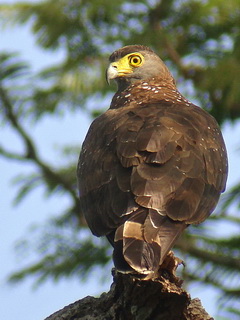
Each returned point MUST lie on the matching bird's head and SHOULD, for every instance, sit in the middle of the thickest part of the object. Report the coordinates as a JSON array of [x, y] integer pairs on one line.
[[134, 63]]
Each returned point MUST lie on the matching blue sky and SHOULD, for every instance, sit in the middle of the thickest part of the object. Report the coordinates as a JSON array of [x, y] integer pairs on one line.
[[16, 221]]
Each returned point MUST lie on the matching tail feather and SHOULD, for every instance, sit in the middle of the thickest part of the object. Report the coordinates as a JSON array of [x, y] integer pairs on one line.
[[144, 240]]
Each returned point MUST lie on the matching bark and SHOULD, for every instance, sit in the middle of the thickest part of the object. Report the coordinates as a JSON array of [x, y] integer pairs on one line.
[[130, 298]]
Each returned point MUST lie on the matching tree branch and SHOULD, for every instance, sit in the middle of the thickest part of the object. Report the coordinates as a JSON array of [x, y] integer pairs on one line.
[[218, 258], [31, 152], [130, 298], [12, 155]]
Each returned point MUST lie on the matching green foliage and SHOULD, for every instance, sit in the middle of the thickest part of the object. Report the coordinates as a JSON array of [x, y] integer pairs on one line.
[[199, 40], [64, 251], [10, 68]]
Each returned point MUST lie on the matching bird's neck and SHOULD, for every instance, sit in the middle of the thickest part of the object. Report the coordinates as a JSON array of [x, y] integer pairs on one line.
[[147, 91]]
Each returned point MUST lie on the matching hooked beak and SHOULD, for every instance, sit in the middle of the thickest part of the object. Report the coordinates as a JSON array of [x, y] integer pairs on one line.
[[115, 70], [112, 72]]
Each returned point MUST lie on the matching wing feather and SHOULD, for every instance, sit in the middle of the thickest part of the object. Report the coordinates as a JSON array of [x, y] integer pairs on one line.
[[145, 173]]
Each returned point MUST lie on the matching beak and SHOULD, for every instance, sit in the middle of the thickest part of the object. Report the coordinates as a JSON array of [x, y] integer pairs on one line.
[[118, 69], [112, 72]]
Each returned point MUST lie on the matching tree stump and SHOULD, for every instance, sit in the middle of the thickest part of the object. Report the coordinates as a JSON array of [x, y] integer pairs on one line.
[[131, 298]]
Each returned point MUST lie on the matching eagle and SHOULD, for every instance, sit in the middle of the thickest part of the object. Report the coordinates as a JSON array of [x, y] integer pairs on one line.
[[150, 166]]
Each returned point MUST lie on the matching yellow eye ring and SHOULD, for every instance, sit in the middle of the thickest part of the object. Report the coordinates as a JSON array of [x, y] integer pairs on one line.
[[135, 60]]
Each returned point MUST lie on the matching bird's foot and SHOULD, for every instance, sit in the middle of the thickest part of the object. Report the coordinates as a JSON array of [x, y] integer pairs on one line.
[[167, 269]]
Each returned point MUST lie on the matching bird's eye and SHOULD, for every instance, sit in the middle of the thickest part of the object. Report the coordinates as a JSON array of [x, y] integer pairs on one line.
[[135, 60]]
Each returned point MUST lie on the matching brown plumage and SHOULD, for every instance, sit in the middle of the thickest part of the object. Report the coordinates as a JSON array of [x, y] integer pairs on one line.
[[150, 165]]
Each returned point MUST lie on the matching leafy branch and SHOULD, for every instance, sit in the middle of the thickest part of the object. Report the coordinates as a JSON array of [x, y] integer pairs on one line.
[[51, 177]]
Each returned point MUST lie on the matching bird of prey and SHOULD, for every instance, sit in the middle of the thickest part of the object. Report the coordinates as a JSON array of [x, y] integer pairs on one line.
[[151, 165]]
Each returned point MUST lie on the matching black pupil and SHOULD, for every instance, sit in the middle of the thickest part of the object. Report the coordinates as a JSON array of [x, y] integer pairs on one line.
[[135, 60]]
